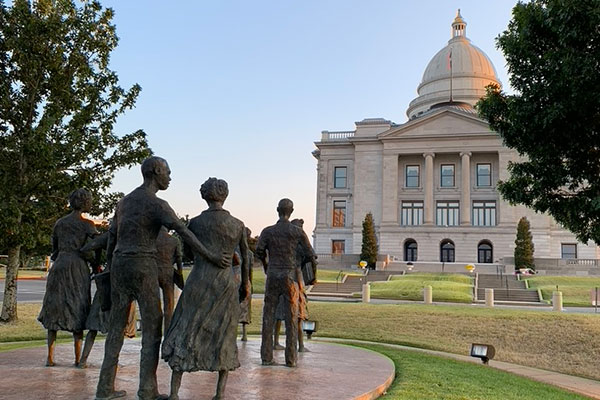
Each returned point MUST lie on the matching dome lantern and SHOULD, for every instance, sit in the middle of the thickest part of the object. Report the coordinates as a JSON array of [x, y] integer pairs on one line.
[[456, 75], [459, 26]]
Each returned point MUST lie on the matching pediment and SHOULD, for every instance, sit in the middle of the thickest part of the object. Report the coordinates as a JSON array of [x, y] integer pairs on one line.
[[440, 124]]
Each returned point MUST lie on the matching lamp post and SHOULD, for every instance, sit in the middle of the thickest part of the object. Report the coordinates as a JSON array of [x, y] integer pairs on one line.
[[309, 327], [363, 265]]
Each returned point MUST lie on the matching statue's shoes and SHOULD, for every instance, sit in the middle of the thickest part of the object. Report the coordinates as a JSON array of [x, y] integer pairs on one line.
[[114, 395], [268, 362]]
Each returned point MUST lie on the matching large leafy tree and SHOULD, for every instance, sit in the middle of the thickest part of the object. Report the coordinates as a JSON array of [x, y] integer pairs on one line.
[[368, 250], [59, 102], [552, 49]]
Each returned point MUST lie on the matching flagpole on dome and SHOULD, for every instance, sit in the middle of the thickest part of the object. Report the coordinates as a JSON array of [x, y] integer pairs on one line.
[[450, 61]]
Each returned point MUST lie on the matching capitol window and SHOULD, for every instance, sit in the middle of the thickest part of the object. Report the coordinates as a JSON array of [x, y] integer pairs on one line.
[[338, 246], [484, 175], [412, 213], [568, 250], [484, 213], [412, 176], [447, 213], [339, 214], [447, 175], [339, 177]]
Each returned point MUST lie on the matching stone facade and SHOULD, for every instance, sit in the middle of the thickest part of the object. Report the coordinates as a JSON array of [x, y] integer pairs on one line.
[[430, 182]]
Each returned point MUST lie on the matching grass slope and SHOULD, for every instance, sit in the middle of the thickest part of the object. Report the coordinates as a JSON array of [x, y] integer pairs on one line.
[[446, 287], [423, 376], [575, 289]]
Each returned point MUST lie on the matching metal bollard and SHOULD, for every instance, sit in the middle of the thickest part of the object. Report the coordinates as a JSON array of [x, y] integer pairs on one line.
[[428, 295], [489, 297]]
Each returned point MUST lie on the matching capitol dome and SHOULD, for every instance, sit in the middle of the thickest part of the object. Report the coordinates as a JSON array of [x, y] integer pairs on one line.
[[456, 75]]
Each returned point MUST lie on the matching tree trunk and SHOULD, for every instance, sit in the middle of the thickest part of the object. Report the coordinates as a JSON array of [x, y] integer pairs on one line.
[[9, 305]]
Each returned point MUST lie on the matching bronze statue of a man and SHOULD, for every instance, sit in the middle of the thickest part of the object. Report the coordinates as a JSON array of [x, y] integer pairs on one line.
[[134, 275], [279, 244], [169, 252]]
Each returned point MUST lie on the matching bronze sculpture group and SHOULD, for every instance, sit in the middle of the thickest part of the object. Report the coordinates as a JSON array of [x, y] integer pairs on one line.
[[201, 332]]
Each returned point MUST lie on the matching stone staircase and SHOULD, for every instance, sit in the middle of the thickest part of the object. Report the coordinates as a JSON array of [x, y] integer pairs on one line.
[[506, 289], [351, 284]]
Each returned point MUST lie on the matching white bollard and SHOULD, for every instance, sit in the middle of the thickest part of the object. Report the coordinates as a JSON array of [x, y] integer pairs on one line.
[[489, 297], [557, 301], [428, 295], [366, 292]]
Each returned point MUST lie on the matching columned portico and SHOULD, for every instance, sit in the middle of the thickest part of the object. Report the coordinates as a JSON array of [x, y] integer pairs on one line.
[[465, 192], [428, 186]]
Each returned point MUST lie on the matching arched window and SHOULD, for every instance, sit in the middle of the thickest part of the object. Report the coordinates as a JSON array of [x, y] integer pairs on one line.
[[485, 252], [410, 250], [447, 251]]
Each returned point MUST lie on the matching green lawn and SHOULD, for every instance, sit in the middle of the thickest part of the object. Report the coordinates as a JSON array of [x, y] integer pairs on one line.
[[423, 376], [575, 289], [446, 287], [532, 338]]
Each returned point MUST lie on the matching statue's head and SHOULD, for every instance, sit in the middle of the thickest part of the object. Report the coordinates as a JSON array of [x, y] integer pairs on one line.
[[81, 200], [285, 207], [157, 169], [214, 190], [299, 222]]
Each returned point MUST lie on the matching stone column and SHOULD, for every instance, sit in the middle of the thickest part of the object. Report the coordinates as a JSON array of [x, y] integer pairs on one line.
[[428, 186], [465, 188], [390, 189]]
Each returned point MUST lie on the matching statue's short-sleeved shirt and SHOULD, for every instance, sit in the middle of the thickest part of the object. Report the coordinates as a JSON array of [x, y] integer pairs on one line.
[[282, 241], [138, 219]]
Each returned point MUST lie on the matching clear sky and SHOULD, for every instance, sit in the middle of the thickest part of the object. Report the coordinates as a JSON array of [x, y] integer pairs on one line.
[[240, 90]]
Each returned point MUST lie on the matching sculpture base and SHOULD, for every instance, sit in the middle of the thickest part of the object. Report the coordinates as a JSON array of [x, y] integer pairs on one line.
[[328, 371]]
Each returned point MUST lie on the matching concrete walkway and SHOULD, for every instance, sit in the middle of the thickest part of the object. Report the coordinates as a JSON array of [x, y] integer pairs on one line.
[[328, 371], [583, 386]]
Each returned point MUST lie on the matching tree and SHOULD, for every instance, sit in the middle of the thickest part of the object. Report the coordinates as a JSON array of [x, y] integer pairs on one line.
[[368, 250], [59, 102], [524, 245], [552, 49]]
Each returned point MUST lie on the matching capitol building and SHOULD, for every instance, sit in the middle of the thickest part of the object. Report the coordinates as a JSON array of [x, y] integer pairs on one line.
[[430, 182]]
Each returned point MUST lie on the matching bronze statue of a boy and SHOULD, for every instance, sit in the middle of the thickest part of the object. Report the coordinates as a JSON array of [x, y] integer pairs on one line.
[[279, 244]]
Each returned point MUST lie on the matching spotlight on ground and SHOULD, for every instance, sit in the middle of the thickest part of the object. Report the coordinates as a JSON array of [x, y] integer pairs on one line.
[[309, 327], [483, 351]]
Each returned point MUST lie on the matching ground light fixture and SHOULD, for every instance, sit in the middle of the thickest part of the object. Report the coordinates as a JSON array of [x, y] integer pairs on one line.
[[309, 327], [409, 266], [483, 351]]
